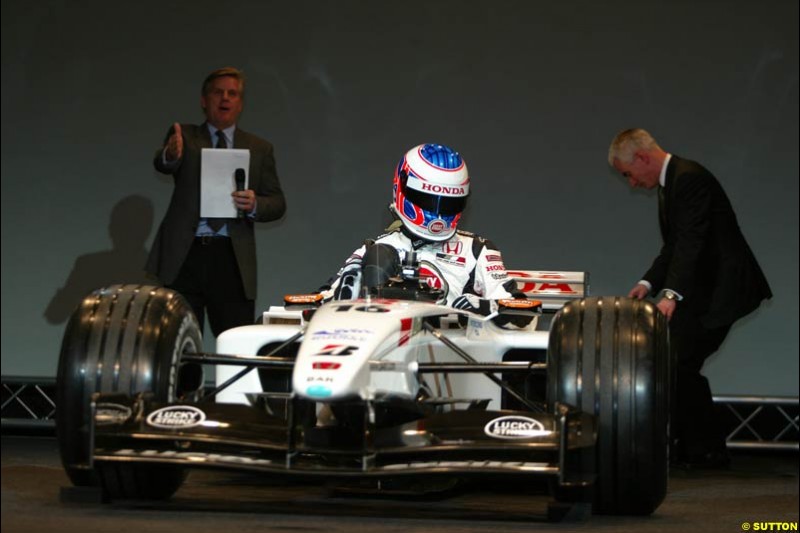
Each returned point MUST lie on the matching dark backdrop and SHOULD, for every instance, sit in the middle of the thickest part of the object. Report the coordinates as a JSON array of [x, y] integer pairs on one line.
[[531, 93]]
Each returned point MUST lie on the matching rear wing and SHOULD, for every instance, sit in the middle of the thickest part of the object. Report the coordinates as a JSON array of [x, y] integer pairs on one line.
[[553, 288]]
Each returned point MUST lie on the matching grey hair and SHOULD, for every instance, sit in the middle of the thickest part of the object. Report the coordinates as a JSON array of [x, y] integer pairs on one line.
[[627, 142]]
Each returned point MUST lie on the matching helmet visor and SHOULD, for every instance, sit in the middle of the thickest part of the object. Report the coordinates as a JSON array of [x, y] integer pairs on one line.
[[433, 203]]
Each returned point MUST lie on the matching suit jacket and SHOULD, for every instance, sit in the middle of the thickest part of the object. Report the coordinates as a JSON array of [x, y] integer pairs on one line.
[[704, 256], [178, 229]]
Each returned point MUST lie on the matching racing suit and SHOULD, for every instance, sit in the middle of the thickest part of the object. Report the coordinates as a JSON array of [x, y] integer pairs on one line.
[[465, 264]]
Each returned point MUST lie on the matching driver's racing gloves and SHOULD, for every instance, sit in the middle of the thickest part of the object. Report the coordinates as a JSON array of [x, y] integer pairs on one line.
[[476, 304], [471, 302], [481, 306]]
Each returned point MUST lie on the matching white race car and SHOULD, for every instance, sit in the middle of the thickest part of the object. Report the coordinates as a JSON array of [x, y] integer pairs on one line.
[[384, 387]]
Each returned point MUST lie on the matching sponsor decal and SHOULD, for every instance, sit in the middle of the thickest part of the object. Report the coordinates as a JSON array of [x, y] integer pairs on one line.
[[452, 259], [510, 465], [499, 275], [437, 226], [342, 334], [195, 457], [319, 379], [302, 298], [326, 366], [420, 184], [531, 287], [433, 276], [176, 416], [108, 414], [454, 190], [218, 458], [408, 328], [494, 258], [452, 247], [518, 303], [561, 288], [337, 349], [319, 391], [495, 268], [474, 328], [515, 427]]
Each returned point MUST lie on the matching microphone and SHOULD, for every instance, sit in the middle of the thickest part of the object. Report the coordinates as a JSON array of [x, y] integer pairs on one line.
[[239, 178]]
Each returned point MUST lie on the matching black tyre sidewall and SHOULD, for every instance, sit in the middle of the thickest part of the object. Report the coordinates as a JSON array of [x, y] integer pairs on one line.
[[124, 338], [610, 357]]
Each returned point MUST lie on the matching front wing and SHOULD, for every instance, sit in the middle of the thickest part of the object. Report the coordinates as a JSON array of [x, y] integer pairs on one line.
[[240, 437]]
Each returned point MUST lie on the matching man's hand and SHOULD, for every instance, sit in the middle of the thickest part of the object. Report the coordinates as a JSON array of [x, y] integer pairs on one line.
[[175, 144], [639, 291], [667, 307], [245, 200]]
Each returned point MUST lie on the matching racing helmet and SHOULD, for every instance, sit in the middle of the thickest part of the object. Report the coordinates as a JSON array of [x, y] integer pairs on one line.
[[430, 191]]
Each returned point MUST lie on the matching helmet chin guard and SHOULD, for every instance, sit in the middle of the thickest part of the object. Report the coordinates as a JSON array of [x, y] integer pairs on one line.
[[430, 191]]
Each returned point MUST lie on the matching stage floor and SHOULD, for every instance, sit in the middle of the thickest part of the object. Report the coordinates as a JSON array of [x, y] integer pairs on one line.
[[758, 489]]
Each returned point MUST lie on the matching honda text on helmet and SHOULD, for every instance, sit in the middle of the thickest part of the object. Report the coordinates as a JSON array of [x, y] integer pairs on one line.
[[430, 191]]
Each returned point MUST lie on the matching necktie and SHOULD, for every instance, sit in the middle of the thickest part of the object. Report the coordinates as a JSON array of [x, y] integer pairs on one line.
[[217, 223], [221, 143], [662, 211]]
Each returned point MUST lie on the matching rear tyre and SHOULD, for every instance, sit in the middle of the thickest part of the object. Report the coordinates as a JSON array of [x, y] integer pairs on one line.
[[126, 339], [610, 357]]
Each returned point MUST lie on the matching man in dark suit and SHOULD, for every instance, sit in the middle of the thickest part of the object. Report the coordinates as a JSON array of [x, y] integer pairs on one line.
[[212, 262], [706, 278]]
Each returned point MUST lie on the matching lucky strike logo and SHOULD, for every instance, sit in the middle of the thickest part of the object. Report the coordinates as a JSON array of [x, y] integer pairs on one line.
[[437, 226], [176, 416], [515, 427]]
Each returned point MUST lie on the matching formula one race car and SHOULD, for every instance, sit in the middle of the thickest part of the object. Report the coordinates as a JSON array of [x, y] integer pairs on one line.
[[389, 386]]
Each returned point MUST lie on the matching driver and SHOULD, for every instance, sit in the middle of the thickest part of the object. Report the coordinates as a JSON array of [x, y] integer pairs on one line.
[[430, 191]]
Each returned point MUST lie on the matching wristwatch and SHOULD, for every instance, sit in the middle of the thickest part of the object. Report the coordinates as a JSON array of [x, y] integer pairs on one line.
[[670, 295]]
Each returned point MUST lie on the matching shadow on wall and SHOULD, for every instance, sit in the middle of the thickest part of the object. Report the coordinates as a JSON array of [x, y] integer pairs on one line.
[[130, 225]]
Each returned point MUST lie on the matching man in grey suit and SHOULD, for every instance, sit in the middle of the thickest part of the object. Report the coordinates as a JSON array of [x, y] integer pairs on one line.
[[706, 277], [212, 262]]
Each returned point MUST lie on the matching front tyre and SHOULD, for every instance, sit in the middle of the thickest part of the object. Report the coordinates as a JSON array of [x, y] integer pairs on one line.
[[126, 339], [609, 357]]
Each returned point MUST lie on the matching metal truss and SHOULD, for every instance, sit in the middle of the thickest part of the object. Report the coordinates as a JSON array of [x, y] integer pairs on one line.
[[28, 403], [760, 422]]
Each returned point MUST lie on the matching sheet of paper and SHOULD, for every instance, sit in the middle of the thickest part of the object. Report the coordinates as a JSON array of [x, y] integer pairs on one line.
[[217, 171]]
